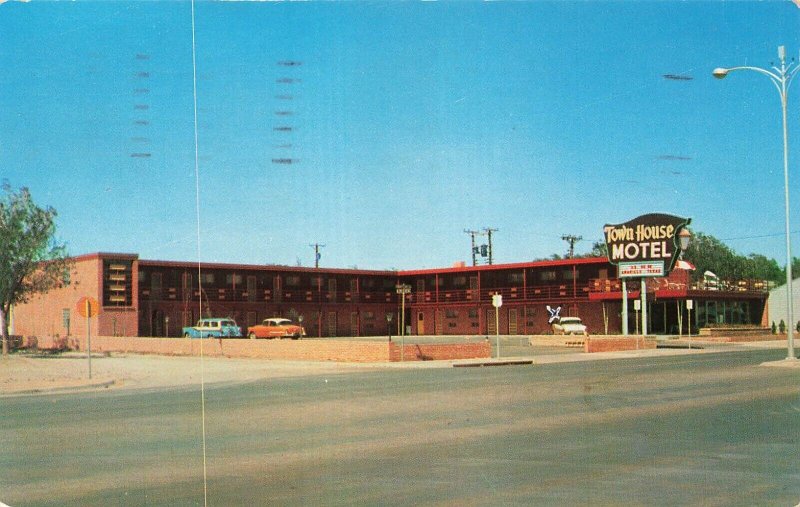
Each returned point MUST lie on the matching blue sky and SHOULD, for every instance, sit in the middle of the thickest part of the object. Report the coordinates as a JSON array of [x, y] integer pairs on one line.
[[410, 123]]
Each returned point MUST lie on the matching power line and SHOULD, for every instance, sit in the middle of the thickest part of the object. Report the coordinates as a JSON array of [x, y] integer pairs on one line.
[[317, 255], [474, 249], [571, 239], [489, 231]]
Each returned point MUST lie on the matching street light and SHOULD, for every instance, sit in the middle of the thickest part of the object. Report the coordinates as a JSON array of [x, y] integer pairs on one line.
[[684, 237], [781, 78]]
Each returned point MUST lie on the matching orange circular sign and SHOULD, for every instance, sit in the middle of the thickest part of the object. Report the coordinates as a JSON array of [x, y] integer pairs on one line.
[[88, 307]]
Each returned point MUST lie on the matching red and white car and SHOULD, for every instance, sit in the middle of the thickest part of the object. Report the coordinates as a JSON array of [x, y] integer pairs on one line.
[[276, 327]]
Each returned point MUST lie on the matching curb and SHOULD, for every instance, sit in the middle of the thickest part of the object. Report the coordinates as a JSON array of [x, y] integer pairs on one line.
[[52, 390]]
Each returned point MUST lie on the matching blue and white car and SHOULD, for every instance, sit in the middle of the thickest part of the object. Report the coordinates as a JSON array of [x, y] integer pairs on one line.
[[213, 328]]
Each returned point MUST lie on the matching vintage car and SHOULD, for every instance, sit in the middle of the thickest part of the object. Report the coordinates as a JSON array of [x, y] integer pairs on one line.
[[276, 327], [215, 327], [569, 325]]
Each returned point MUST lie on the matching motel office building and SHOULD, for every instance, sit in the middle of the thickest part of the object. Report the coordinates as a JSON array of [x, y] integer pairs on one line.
[[157, 298]]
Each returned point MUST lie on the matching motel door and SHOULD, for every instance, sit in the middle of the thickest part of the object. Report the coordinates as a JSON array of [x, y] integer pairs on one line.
[[512, 321], [420, 322], [490, 323], [331, 323]]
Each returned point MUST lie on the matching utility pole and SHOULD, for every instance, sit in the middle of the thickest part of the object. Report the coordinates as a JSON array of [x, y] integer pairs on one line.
[[489, 232], [474, 248], [317, 255], [569, 238]]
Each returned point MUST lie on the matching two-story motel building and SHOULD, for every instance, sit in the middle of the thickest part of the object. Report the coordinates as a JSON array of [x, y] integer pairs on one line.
[[141, 297]]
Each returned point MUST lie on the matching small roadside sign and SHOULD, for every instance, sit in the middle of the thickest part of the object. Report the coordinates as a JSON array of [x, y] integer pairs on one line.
[[497, 300], [88, 307]]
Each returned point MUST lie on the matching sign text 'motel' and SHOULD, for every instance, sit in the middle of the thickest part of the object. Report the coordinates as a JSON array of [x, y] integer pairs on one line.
[[645, 246]]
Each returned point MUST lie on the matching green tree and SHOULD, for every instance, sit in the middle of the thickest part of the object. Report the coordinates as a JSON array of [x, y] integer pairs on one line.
[[599, 249], [795, 268], [708, 253], [31, 260], [763, 268]]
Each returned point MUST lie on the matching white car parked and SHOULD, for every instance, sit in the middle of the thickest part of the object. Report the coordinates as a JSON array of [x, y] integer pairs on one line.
[[570, 325]]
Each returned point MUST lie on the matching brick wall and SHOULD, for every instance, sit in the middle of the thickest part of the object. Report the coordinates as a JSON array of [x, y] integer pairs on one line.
[[44, 313], [297, 350], [618, 343], [439, 351]]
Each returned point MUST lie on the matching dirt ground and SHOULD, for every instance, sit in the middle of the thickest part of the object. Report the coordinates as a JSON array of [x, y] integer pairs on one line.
[[25, 373]]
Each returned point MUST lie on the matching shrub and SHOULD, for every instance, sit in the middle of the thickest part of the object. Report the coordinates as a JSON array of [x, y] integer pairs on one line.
[[782, 326]]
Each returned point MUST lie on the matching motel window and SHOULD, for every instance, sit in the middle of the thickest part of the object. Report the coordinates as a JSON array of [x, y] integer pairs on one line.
[[232, 279], [451, 314], [473, 313], [460, 281], [547, 276], [292, 281], [368, 315], [65, 319], [368, 283], [568, 274], [207, 278], [517, 278]]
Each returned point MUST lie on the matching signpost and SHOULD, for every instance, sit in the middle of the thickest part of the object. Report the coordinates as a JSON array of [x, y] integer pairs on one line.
[[647, 246], [88, 307], [402, 290], [497, 302]]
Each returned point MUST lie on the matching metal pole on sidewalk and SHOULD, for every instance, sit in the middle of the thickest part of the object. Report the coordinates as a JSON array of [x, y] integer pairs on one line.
[[89, 334]]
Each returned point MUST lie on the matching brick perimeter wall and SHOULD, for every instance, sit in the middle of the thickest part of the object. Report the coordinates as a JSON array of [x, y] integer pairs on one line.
[[297, 350], [613, 344], [440, 351]]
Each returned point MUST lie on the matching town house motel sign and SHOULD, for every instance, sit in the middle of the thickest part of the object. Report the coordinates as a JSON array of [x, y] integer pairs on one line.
[[646, 246]]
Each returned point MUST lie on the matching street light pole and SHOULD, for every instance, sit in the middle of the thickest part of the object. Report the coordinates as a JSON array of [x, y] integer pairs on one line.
[[781, 78]]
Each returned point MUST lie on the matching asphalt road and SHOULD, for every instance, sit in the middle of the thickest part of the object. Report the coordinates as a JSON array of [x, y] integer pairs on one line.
[[710, 429]]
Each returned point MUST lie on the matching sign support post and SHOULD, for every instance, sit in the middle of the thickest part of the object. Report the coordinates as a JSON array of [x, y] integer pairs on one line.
[[402, 290], [89, 335], [497, 302], [624, 307], [644, 306], [88, 307]]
